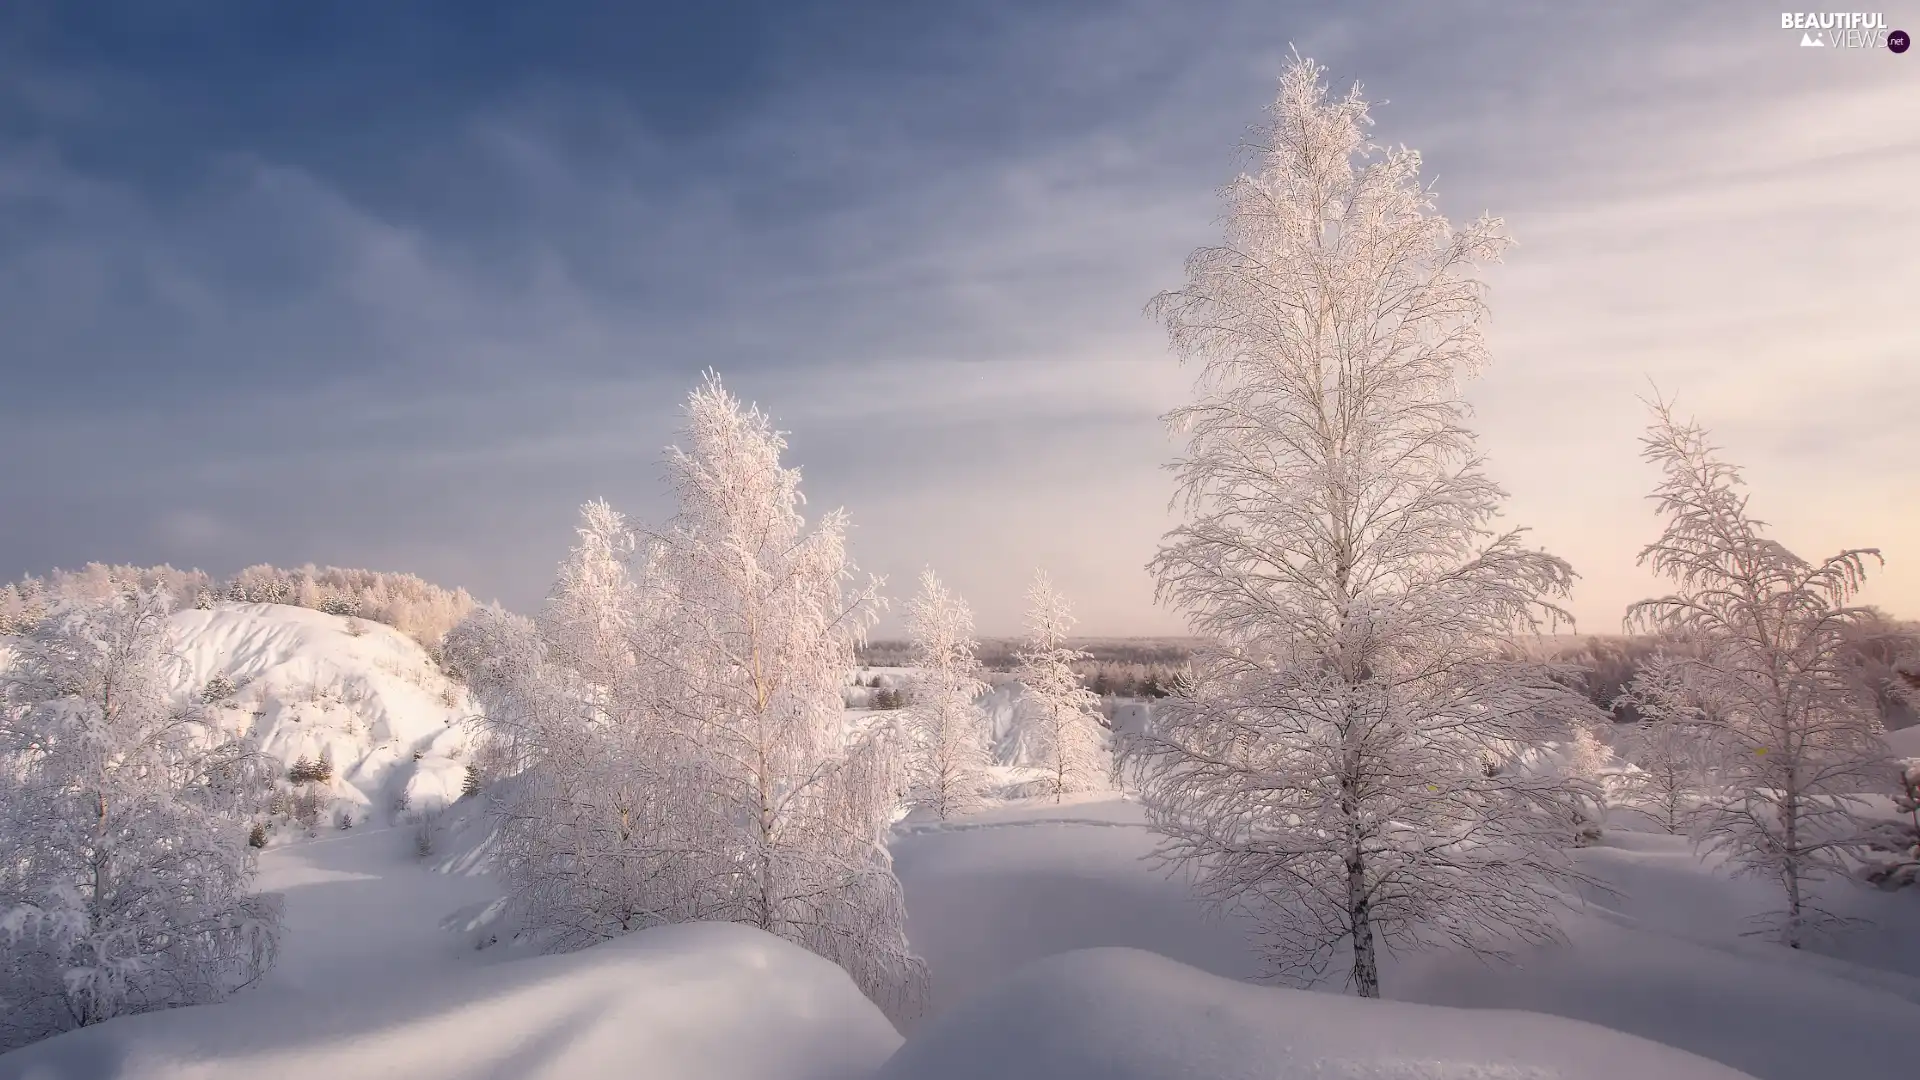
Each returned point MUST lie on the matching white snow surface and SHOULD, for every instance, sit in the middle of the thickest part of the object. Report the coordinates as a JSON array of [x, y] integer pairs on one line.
[[398, 965], [371, 982], [1905, 742], [1125, 1014], [376, 702], [1655, 951], [704, 1001]]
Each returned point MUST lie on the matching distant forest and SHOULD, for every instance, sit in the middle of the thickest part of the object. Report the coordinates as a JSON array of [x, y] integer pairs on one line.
[[1884, 650], [1148, 667]]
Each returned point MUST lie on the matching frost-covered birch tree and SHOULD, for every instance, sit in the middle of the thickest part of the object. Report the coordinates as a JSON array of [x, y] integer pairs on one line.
[[1332, 763], [1059, 719], [671, 728], [1765, 670], [1586, 757], [950, 743], [125, 873], [759, 618], [596, 825], [1668, 751]]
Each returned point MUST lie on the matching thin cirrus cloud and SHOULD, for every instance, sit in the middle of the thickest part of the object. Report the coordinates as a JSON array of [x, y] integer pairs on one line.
[[418, 335]]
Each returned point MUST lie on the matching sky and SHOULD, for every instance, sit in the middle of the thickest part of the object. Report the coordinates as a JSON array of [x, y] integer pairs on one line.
[[401, 285]]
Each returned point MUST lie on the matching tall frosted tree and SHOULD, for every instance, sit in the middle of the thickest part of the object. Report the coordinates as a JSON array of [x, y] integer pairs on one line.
[[1764, 670], [950, 743], [759, 618], [1332, 765], [599, 832], [125, 874], [1059, 719], [590, 617], [671, 728]]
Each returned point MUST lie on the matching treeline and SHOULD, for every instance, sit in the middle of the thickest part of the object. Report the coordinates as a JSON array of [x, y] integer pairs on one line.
[[1880, 651], [410, 604], [1117, 667], [1148, 667]]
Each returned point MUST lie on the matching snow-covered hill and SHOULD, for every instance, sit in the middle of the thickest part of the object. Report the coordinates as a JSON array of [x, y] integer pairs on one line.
[[360, 694]]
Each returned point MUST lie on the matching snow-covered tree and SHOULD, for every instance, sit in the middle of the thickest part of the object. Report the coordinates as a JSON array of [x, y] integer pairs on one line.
[[125, 871], [951, 746], [1904, 682], [669, 733], [1668, 750], [1334, 762], [1059, 719], [1765, 670], [1894, 859], [759, 619], [593, 826], [1587, 758], [590, 615]]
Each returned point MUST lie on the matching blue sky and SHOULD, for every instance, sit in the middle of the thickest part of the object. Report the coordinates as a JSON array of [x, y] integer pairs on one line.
[[400, 285]]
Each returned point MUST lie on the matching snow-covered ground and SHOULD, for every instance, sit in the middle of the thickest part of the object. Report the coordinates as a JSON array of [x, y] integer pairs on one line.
[[1657, 950], [1126, 1014], [1905, 742], [697, 1002], [372, 985], [391, 966]]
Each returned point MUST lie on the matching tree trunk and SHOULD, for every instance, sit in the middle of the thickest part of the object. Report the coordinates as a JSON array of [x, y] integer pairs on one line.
[[1790, 865], [1366, 964]]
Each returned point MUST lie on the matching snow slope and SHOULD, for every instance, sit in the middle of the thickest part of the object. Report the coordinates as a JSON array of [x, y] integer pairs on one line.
[[364, 914], [989, 893], [374, 701], [697, 1002], [1905, 742], [1123, 1014]]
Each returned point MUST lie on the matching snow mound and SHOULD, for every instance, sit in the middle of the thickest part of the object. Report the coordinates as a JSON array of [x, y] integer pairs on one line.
[[309, 684], [1904, 743], [1124, 1014], [703, 1001]]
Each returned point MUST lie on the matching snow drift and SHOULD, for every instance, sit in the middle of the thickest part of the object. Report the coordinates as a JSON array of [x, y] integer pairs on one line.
[[1123, 1014], [701, 1001], [1904, 743]]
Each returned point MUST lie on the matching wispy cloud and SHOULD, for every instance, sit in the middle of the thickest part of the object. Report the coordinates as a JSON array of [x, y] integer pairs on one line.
[[419, 342]]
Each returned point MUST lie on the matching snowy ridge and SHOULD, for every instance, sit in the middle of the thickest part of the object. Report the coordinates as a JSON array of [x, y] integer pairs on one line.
[[705, 1001], [1125, 1014], [310, 684]]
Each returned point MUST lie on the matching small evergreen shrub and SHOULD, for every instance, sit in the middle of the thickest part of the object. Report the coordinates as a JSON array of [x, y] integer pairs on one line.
[[308, 771], [306, 809], [219, 688]]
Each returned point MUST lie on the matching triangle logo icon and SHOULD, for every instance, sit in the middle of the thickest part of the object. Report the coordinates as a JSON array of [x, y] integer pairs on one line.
[[1809, 41]]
